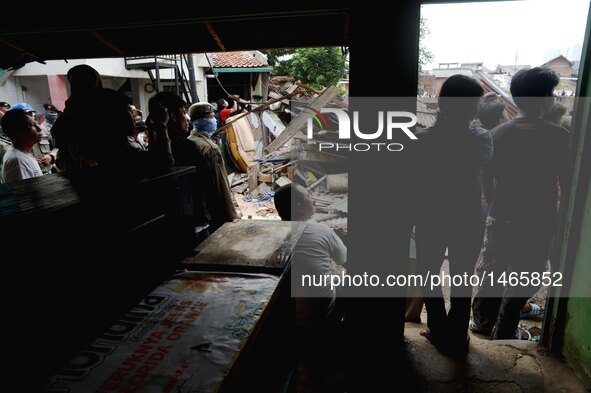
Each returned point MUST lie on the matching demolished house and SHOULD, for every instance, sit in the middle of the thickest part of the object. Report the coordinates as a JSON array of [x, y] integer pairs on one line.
[[268, 148]]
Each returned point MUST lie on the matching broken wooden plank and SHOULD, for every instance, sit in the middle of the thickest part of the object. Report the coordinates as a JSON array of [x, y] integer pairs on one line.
[[260, 191], [293, 88], [325, 199], [316, 183], [340, 102], [265, 177], [243, 179], [253, 180], [240, 188], [282, 181], [300, 174], [257, 109], [277, 168], [319, 217], [302, 118], [340, 205], [273, 123], [321, 156], [304, 86]]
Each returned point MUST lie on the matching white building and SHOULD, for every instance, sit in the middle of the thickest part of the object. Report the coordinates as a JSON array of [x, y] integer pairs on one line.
[[37, 83]]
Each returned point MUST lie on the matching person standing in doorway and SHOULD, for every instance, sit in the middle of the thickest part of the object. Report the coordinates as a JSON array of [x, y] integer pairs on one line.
[[449, 207], [521, 188]]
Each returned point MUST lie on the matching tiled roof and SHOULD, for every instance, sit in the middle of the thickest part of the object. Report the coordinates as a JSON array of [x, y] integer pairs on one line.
[[239, 59]]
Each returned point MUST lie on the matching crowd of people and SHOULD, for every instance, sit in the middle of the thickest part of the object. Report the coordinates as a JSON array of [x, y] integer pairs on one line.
[[488, 188], [485, 189], [119, 140], [485, 186]]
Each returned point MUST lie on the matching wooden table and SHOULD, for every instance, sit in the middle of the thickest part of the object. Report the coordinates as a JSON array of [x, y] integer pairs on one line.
[[247, 246], [188, 335]]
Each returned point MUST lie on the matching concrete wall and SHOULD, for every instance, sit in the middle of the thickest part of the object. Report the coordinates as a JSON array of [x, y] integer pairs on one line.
[[36, 90], [58, 90], [106, 67], [139, 95], [31, 89], [10, 91], [201, 66], [36, 79]]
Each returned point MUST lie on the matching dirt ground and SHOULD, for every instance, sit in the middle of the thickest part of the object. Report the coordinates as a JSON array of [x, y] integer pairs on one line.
[[263, 210]]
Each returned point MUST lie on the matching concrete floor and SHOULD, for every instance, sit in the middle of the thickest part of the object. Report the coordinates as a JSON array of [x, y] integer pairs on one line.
[[504, 366]]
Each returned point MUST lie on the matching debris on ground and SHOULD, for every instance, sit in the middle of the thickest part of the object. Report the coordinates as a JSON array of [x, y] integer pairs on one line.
[[269, 148]]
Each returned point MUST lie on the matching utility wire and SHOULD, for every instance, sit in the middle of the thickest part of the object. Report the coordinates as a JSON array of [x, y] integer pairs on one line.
[[216, 75]]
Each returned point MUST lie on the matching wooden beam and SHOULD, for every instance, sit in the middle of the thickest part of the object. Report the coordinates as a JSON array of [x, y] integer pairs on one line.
[[108, 43], [301, 119], [304, 86], [316, 183], [253, 178], [276, 168], [215, 36], [22, 51], [257, 109]]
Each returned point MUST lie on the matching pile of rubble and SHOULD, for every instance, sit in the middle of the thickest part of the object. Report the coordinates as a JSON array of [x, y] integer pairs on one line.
[[270, 148]]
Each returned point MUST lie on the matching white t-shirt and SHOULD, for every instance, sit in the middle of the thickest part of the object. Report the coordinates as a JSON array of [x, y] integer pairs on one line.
[[18, 165], [316, 248]]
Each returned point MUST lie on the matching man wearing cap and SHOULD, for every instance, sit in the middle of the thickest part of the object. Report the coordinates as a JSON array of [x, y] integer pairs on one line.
[[45, 151], [218, 197]]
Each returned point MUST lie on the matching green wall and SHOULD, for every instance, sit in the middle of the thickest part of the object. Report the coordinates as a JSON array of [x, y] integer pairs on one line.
[[567, 327], [577, 333]]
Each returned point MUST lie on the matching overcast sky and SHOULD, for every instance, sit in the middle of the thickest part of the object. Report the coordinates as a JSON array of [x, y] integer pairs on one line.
[[495, 32]]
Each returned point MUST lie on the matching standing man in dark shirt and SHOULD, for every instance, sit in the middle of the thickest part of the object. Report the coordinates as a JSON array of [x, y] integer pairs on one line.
[[451, 156], [186, 153], [520, 186]]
